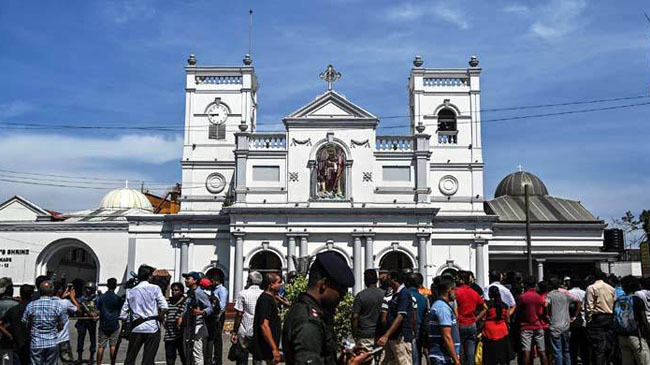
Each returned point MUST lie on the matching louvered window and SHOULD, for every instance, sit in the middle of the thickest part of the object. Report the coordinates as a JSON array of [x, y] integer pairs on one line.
[[217, 131]]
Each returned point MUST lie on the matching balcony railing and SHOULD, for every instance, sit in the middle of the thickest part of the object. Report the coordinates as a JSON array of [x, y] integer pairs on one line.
[[448, 137], [446, 81], [218, 80], [395, 143], [268, 141]]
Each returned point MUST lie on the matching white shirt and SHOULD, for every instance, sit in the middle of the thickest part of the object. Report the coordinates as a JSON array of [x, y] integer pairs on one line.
[[68, 309], [144, 301], [645, 296], [245, 302], [506, 295]]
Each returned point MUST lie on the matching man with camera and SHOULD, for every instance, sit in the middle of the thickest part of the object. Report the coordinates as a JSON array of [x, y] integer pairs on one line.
[[142, 310], [197, 307]]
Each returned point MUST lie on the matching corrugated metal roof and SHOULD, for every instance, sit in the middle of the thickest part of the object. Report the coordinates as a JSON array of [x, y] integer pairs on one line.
[[542, 209]]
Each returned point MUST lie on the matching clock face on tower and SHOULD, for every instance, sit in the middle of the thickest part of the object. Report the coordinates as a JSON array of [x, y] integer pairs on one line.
[[217, 113]]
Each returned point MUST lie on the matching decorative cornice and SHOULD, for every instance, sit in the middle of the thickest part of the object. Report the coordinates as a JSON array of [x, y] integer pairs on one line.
[[63, 226]]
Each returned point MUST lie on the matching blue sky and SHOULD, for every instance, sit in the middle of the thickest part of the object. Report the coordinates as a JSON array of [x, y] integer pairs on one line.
[[121, 63]]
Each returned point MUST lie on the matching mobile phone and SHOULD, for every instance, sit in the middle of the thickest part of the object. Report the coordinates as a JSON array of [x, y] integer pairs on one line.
[[376, 350]]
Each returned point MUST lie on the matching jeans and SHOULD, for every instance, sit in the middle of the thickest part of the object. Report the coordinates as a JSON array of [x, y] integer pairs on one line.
[[83, 326], [65, 353], [560, 345], [601, 337], [467, 344], [150, 341], [172, 348], [415, 351], [46, 356]]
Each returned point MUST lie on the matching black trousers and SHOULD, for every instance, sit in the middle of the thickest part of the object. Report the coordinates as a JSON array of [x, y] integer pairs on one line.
[[213, 345], [579, 345], [172, 348], [601, 338], [150, 341], [83, 326]]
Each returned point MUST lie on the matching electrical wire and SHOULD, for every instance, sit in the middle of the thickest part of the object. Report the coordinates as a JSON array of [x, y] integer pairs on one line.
[[178, 128]]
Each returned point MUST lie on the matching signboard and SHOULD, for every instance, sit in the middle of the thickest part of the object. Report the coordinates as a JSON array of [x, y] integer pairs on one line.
[[644, 247], [7, 256]]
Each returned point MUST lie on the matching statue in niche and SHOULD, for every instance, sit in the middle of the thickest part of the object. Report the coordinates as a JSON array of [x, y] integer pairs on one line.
[[330, 166]]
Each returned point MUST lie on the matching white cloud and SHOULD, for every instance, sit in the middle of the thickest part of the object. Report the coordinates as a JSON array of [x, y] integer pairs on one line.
[[516, 9], [127, 10], [558, 18], [446, 11], [129, 157], [14, 108]]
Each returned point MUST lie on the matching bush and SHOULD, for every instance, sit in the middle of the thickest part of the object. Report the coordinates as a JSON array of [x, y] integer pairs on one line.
[[342, 325]]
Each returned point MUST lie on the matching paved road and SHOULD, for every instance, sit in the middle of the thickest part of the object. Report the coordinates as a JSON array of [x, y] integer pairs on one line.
[[121, 355]]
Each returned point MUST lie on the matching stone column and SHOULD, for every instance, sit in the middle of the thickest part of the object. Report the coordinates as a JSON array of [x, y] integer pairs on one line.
[[422, 156], [480, 263], [370, 253], [540, 269], [185, 257], [422, 255], [241, 160], [356, 263], [291, 251], [238, 280], [303, 246]]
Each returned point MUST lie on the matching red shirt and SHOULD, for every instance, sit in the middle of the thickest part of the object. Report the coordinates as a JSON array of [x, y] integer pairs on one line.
[[530, 307], [495, 329], [468, 300]]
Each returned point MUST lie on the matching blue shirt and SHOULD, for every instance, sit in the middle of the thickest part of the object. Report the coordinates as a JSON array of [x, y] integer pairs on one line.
[[422, 305], [109, 305], [441, 315], [401, 304], [45, 315], [222, 293]]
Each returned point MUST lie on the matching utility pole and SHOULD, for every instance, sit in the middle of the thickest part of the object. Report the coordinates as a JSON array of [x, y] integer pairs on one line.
[[529, 248]]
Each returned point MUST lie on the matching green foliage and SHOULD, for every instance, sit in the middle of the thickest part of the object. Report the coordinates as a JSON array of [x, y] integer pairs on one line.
[[342, 326], [636, 230]]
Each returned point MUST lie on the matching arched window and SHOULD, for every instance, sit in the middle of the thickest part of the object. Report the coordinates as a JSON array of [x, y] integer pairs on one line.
[[395, 261], [265, 261], [447, 127]]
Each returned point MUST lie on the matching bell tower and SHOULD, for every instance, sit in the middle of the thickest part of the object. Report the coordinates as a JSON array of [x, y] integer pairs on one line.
[[219, 102], [447, 103]]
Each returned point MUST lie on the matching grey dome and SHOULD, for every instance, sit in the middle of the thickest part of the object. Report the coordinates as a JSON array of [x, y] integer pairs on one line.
[[513, 185]]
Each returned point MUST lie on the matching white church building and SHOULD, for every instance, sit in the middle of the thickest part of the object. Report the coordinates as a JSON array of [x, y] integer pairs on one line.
[[254, 200]]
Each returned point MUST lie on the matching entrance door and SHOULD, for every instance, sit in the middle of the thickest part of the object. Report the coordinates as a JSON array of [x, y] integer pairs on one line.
[[72, 264], [395, 261], [265, 261]]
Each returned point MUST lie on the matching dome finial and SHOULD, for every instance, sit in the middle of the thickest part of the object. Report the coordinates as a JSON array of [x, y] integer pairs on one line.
[[520, 168], [126, 184]]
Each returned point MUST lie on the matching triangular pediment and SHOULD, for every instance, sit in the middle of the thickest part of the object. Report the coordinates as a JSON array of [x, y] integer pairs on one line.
[[331, 106], [18, 208]]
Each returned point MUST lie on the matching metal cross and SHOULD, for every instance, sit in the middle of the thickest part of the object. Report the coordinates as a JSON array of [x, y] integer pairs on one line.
[[330, 75], [520, 168]]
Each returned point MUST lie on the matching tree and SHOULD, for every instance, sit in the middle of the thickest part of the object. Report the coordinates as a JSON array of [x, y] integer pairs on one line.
[[342, 326], [636, 230]]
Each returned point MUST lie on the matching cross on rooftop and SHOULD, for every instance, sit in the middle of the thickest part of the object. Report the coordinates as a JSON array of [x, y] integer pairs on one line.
[[330, 75], [520, 168]]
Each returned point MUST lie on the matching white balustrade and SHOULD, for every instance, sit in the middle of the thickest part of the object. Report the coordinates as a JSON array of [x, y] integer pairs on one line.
[[446, 81], [263, 141], [218, 80], [395, 143]]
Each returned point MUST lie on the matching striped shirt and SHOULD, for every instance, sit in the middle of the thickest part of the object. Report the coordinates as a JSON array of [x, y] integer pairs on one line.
[[174, 312], [144, 301], [44, 315], [245, 303]]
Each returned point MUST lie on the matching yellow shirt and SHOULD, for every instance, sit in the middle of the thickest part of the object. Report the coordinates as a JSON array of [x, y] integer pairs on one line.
[[600, 298]]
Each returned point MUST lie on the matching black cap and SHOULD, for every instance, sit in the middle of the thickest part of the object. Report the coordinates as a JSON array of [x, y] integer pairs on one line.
[[336, 268], [193, 274]]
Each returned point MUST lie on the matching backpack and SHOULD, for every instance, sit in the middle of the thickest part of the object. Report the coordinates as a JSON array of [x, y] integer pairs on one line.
[[624, 321]]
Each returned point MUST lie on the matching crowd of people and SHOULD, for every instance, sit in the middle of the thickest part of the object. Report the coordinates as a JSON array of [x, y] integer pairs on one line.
[[597, 320]]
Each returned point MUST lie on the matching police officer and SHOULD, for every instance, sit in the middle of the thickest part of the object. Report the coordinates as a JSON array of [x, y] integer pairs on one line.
[[308, 336]]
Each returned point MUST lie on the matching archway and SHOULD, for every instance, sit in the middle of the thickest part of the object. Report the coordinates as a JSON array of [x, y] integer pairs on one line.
[[265, 261], [395, 261], [69, 259]]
